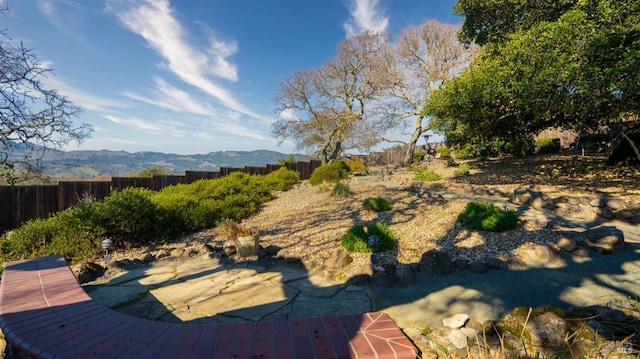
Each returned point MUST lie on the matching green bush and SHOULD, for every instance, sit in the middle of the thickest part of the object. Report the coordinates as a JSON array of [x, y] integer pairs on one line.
[[519, 146], [595, 143], [463, 169], [356, 165], [444, 152], [425, 175], [376, 204], [341, 190], [131, 216], [282, 179], [486, 216], [332, 172], [547, 145], [357, 238]]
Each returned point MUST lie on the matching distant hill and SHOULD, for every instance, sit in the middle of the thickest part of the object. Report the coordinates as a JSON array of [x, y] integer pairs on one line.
[[89, 164]]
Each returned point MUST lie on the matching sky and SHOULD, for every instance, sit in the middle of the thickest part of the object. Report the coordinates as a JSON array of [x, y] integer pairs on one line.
[[192, 76]]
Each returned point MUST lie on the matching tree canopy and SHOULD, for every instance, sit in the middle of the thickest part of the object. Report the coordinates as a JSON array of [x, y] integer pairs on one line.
[[33, 117], [571, 64]]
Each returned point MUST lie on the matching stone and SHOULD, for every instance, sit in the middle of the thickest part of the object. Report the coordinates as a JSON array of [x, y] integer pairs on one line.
[[521, 196], [494, 263], [566, 244], [161, 253], [605, 212], [598, 202], [436, 262], [548, 330], [228, 251], [623, 214], [635, 219], [382, 279], [457, 338], [537, 203], [88, 272], [272, 250], [460, 263], [469, 332], [456, 321], [605, 238], [178, 252], [537, 254], [616, 203], [338, 259], [581, 252], [147, 258], [404, 275], [478, 267]]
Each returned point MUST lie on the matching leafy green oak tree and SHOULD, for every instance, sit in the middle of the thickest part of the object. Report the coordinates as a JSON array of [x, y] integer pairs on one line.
[[571, 64]]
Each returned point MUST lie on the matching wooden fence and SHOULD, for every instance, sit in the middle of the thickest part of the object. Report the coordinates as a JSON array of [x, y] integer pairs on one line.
[[21, 203]]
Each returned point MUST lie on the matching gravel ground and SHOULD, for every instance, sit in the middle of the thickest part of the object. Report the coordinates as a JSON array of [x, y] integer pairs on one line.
[[308, 223]]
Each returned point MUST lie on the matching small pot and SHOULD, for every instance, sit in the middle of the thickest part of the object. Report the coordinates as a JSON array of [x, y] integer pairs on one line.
[[248, 245]]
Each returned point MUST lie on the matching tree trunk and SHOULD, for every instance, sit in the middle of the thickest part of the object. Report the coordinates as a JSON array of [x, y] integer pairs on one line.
[[411, 146]]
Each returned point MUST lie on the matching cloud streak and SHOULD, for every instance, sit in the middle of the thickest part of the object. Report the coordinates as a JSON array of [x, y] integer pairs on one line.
[[365, 16], [155, 22], [175, 99]]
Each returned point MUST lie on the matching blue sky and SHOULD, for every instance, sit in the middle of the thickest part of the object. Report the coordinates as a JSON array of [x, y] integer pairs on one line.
[[192, 76]]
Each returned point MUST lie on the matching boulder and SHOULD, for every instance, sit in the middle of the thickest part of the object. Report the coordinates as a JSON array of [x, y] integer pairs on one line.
[[436, 262], [404, 275], [456, 321], [566, 244], [382, 279], [605, 239], [616, 203], [338, 259]]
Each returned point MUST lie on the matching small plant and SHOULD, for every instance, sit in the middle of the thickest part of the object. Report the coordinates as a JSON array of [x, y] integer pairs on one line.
[[377, 204], [341, 190], [426, 175], [356, 165], [444, 152], [485, 216], [357, 238], [547, 145], [463, 169], [332, 172], [233, 230]]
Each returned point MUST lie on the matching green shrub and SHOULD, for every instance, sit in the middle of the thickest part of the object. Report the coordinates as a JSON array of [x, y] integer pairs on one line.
[[342, 190], [423, 174], [418, 156], [444, 152], [332, 172], [356, 165], [376, 204], [357, 238], [547, 145], [486, 216], [132, 217], [597, 143], [463, 169], [282, 179], [519, 146]]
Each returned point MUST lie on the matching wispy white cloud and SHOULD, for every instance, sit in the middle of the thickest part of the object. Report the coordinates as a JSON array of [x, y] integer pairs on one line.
[[173, 98], [155, 22], [365, 16], [79, 97], [157, 128], [67, 16]]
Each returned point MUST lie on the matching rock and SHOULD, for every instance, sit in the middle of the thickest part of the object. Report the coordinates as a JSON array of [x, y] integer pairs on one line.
[[616, 203], [89, 272], [456, 321], [605, 212], [635, 219], [460, 263], [537, 203], [548, 330], [272, 250], [494, 263], [521, 196], [605, 239], [338, 259], [161, 254], [478, 267], [457, 338], [228, 251], [382, 279], [436, 262], [206, 248], [404, 275], [598, 202], [623, 214], [469, 332], [566, 244], [537, 254], [147, 258], [178, 252], [581, 252]]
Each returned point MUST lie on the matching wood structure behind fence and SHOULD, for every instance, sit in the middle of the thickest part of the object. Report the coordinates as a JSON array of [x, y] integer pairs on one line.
[[22, 203]]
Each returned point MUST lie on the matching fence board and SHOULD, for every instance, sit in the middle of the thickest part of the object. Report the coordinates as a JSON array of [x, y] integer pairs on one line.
[[70, 193], [192, 176], [121, 183], [160, 182]]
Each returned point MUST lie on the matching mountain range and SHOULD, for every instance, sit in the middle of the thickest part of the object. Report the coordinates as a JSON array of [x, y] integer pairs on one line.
[[92, 164]]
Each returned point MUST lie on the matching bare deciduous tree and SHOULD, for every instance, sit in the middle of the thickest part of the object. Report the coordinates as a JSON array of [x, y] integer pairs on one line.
[[33, 117], [330, 109], [426, 56]]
